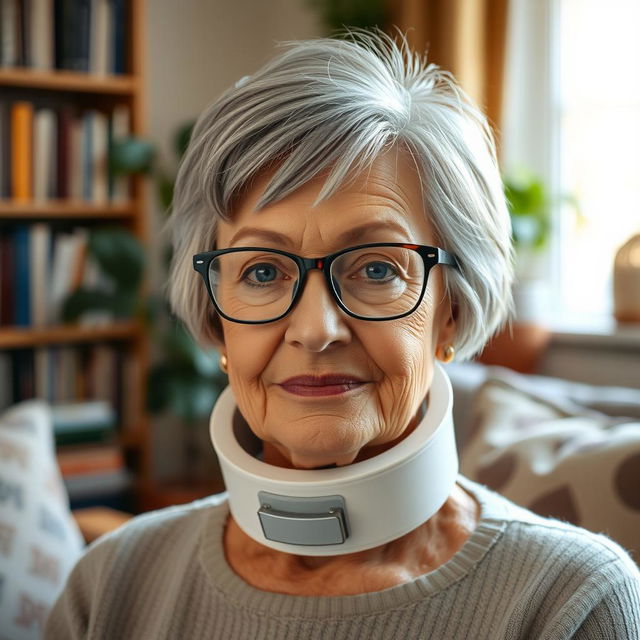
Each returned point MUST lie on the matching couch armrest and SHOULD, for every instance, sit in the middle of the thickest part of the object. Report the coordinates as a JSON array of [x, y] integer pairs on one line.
[[96, 521]]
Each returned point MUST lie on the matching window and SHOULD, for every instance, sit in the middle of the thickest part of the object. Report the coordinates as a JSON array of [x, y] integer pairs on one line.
[[572, 115]]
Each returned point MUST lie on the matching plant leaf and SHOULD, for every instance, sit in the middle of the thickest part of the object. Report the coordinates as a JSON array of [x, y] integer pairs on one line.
[[120, 256], [131, 155]]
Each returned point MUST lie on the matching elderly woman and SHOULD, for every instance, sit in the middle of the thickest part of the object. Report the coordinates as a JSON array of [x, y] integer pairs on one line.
[[344, 211]]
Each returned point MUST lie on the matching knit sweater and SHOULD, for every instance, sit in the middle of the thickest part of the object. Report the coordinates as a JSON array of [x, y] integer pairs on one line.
[[164, 575]]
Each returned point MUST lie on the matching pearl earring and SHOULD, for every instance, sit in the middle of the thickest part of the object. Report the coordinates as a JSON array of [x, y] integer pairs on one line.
[[223, 363], [448, 353]]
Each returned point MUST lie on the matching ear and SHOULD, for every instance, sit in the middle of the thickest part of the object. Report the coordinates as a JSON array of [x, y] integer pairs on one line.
[[445, 325]]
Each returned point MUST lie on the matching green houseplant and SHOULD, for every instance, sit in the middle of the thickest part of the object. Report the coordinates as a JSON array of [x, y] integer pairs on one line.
[[530, 212]]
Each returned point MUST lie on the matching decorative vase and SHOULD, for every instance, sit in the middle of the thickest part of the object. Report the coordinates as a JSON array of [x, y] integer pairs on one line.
[[626, 281]]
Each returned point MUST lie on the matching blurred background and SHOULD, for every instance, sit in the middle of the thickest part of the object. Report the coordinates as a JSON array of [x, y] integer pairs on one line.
[[97, 98]]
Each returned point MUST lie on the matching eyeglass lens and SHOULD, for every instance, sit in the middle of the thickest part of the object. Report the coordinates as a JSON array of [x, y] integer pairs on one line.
[[373, 282]]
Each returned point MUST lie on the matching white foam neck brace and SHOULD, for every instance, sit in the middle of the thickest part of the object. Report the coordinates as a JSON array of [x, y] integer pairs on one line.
[[323, 512]]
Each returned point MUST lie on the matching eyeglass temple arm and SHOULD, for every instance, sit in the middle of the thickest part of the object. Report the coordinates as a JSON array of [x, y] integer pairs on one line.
[[444, 257]]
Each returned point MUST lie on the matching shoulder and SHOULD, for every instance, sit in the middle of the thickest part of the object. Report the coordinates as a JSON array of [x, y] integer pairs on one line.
[[559, 576], [154, 553], [542, 539], [167, 533]]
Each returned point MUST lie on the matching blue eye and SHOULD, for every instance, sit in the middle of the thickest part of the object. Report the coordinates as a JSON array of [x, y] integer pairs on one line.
[[379, 270], [262, 273]]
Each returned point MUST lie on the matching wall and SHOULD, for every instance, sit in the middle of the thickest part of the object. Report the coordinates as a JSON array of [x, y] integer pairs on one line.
[[195, 50]]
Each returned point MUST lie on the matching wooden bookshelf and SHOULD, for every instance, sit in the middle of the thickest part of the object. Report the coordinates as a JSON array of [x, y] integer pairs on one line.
[[58, 209], [100, 92], [70, 81], [24, 337]]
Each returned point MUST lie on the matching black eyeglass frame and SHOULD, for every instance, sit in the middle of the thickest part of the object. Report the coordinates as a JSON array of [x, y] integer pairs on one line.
[[431, 257]]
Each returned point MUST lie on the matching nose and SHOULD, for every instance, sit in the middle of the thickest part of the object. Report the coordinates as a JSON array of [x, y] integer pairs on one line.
[[316, 322]]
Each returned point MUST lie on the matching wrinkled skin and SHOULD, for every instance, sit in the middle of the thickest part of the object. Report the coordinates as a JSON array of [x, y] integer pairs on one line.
[[395, 359]]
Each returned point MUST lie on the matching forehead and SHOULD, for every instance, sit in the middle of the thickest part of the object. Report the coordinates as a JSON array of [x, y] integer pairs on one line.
[[385, 201]]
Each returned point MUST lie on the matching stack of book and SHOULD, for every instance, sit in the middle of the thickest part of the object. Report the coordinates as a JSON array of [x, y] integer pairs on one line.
[[92, 464], [60, 153], [78, 35], [39, 267]]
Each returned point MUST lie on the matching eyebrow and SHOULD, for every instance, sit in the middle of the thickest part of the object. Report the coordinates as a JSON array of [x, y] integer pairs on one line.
[[345, 238]]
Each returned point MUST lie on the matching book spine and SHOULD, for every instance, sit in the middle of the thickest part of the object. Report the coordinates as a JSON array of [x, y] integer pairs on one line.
[[41, 34], [6, 381], [5, 149], [39, 271], [8, 21], [44, 155], [63, 151], [22, 150], [82, 35], [87, 156], [99, 39], [21, 35], [7, 279], [22, 317], [120, 130], [99, 153], [119, 35]]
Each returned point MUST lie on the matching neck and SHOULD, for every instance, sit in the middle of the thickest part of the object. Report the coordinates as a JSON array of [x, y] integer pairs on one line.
[[422, 550]]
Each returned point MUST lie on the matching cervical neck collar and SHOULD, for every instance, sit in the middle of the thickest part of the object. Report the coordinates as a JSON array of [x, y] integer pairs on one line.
[[324, 512]]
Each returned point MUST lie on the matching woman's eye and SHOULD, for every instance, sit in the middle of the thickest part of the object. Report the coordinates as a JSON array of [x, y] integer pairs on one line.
[[379, 271], [261, 273]]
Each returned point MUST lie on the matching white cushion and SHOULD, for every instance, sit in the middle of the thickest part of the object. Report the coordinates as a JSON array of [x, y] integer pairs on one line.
[[39, 539]]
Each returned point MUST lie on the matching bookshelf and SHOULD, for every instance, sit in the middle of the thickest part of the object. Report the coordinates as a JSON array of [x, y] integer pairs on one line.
[[103, 91]]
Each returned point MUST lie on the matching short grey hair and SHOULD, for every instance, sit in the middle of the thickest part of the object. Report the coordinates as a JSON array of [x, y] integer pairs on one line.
[[334, 105]]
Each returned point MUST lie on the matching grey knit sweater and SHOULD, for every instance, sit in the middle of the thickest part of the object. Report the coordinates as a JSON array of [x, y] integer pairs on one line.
[[164, 575]]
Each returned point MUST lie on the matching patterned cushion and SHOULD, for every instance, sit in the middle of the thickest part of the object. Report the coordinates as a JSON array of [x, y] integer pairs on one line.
[[39, 540], [556, 458]]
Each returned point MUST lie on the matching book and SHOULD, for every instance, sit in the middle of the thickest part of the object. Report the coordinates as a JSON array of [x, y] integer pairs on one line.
[[43, 374], [72, 20], [67, 269], [78, 422], [5, 149], [6, 381], [119, 33], [8, 36], [22, 365], [7, 278], [44, 144], [74, 460], [76, 151], [21, 271], [118, 129], [22, 150], [41, 34], [39, 263], [110, 489], [99, 156], [100, 38], [63, 151]]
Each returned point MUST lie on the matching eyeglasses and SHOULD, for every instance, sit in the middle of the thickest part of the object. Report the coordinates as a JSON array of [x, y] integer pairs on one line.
[[378, 281]]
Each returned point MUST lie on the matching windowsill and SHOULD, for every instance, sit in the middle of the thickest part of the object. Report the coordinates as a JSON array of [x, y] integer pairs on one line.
[[594, 331]]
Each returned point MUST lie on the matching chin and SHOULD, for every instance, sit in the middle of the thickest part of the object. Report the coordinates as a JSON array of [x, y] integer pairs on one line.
[[321, 461]]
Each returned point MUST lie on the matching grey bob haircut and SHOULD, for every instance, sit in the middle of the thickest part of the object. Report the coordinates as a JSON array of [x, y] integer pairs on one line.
[[333, 105]]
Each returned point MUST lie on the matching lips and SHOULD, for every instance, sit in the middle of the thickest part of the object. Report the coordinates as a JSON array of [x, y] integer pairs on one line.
[[331, 384]]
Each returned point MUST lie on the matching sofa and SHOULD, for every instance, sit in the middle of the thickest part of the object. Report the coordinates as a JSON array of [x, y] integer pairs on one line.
[[565, 450]]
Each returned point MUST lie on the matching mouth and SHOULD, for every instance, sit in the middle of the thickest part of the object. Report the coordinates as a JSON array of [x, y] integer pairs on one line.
[[328, 385]]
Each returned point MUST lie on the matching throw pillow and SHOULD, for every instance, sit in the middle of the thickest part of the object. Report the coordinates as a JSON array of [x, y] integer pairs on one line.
[[557, 459], [39, 540]]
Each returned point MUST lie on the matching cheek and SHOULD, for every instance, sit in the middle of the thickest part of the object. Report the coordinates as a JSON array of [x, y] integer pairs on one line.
[[403, 352], [249, 350]]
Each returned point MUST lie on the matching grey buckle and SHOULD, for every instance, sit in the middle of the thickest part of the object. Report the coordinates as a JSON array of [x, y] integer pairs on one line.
[[304, 521]]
